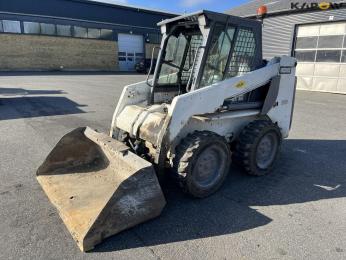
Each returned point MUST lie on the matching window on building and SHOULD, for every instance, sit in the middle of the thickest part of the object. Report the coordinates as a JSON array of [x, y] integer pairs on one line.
[[306, 42], [63, 30], [139, 56], [31, 28], [48, 29], [305, 56], [308, 30], [80, 32], [1, 27], [333, 28], [331, 41], [106, 34], [328, 56], [343, 57], [326, 46], [94, 33], [11, 26]]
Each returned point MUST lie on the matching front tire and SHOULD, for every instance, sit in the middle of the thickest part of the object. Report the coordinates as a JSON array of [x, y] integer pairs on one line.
[[202, 163], [258, 146]]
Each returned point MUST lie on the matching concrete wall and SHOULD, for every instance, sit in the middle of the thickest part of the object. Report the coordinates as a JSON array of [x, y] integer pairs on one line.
[[149, 48], [31, 52]]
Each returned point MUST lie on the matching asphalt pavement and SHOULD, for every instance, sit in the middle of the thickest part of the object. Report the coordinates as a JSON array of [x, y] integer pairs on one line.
[[297, 212]]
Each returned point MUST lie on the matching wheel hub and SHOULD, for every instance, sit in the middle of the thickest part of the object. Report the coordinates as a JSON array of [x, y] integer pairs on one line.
[[208, 166], [266, 150]]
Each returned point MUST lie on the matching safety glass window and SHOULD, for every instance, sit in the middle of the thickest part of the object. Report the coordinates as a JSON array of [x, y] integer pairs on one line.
[[173, 60], [221, 44]]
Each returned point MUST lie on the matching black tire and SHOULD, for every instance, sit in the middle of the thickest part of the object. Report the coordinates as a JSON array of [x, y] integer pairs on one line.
[[196, 175], [249, 152]]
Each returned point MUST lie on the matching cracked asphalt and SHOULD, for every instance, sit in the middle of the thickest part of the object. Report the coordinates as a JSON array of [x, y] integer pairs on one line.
[[297, 212]]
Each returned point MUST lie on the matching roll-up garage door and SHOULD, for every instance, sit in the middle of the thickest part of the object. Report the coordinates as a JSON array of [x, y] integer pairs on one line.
[[131, 50], [321, 53]]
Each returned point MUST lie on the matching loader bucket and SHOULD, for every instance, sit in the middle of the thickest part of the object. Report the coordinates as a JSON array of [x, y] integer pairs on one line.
[[99, 186]]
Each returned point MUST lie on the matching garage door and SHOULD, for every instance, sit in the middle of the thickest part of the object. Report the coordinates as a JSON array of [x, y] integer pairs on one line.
[[321, 53], [131, 50]]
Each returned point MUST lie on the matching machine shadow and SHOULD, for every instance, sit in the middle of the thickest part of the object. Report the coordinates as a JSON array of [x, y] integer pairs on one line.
[[307, 170], [21, 91], [37, 106]]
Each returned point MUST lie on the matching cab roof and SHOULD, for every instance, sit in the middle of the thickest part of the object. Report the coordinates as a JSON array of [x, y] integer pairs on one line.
[[212, 16]]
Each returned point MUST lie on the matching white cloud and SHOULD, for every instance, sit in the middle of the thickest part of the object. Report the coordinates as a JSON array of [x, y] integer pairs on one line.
[[192, 3]]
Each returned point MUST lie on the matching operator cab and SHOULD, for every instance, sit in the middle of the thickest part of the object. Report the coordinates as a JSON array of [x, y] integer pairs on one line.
[[203, 48]]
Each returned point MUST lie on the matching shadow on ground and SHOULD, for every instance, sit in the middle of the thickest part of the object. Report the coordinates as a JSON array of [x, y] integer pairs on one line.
[[21, 91], [308, 170], [21, 104]]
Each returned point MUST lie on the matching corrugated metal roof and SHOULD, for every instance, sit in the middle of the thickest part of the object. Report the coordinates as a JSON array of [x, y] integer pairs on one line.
[[273, 6]]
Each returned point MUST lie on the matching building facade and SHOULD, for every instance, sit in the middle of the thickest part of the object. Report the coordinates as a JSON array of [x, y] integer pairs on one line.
[[313, 33], [75, 35]]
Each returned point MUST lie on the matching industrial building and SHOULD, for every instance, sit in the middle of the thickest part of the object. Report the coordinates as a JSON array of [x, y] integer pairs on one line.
[[75, 35], [312, 31]]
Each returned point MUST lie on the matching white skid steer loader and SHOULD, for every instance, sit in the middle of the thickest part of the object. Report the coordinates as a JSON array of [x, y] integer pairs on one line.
[[211, 98]]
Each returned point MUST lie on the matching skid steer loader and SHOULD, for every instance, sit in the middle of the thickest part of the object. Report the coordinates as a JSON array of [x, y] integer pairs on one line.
[[211, 98]]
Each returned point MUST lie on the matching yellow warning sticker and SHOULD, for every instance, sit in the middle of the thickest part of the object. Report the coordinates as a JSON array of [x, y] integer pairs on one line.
[[241, 84]]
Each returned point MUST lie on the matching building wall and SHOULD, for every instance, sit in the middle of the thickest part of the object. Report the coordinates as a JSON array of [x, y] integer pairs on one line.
[[86, 11], [279, 31], [32, 52], [90, 43]]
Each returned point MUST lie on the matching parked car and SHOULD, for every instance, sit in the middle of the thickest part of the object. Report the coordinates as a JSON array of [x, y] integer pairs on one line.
[[143, 66]]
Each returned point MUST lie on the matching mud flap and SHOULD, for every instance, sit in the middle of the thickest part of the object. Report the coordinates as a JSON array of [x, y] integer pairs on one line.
[[99, 186]]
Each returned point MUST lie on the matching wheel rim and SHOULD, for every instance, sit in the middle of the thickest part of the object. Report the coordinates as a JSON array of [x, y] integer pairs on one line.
[[209, 166], [266, 150]]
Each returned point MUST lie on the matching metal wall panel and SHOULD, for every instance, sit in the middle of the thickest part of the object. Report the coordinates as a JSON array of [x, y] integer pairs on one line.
[[85, 10], [279, 34], [279, 31]]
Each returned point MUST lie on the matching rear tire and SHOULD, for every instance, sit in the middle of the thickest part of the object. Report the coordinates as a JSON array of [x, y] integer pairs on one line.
[[257, 147], [202, 163]]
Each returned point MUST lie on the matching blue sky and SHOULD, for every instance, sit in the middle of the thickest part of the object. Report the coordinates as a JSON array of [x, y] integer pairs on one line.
[[179, 6]]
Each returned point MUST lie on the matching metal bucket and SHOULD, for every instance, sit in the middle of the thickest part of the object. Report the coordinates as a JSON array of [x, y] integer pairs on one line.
[[99, 186]]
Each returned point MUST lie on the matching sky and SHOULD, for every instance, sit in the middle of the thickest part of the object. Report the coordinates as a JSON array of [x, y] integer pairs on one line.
[[181, 6]]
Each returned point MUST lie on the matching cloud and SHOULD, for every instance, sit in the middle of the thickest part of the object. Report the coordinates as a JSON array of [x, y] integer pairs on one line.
[[192, 3]]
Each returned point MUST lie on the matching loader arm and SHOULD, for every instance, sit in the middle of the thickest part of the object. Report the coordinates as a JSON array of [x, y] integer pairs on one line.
[[212, 97]]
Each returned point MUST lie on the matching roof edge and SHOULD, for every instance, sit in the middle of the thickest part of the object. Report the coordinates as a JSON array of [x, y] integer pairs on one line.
[[125, 6], [290, 11]]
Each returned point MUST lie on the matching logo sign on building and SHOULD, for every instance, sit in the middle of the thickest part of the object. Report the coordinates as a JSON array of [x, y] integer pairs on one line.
[[316, 5]]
